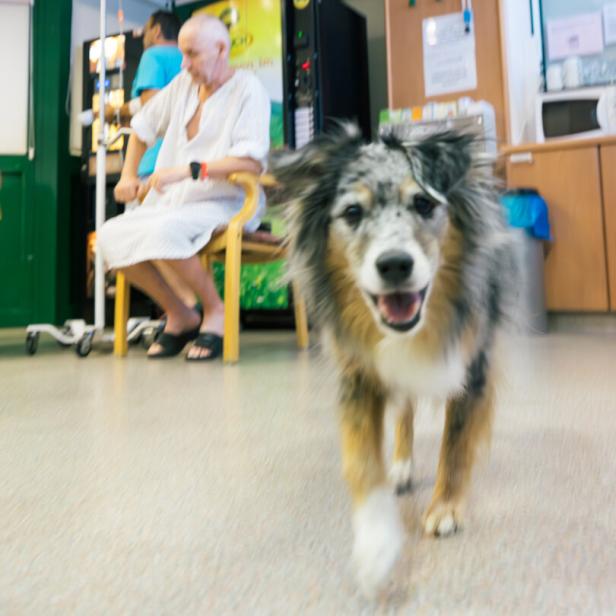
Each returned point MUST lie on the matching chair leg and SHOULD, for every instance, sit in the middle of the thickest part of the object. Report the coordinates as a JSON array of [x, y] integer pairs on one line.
[[233, 264], [205, 261], [122, 302], [301, 320]]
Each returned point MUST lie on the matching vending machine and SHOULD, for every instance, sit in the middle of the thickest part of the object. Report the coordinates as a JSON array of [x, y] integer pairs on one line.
[[122, 53], [326, 68]]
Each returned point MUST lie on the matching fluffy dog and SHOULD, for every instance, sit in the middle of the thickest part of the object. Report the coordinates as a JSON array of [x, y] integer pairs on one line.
[[404, 257]]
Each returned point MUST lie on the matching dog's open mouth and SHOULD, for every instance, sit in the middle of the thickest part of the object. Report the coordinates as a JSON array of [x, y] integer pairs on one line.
[[400, 311]]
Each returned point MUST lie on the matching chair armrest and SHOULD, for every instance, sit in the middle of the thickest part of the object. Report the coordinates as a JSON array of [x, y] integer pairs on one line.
[[250, 183]]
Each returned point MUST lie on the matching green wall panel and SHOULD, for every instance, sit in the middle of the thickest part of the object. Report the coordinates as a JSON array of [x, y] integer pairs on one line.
[[38, 191], [51, 197], [16, 271], [34, 243]]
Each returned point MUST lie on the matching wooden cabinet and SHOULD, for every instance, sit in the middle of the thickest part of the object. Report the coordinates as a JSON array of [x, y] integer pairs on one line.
[[608, 178], [576, 277]]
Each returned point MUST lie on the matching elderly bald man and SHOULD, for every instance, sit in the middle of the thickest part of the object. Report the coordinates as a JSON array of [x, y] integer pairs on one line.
[[214, 121]]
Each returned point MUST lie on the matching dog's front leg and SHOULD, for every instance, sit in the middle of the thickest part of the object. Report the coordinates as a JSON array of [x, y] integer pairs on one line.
[[378, 531], [468, 420], [400, 473]]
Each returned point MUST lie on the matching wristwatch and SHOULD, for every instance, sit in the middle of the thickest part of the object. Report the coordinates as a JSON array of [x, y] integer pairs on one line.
[[198, 170], [195, 170]]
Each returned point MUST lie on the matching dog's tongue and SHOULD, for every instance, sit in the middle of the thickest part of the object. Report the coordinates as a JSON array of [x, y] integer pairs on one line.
[[399, 308]]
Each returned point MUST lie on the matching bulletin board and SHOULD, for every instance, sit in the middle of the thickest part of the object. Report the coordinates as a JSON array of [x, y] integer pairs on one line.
[[405, 66]]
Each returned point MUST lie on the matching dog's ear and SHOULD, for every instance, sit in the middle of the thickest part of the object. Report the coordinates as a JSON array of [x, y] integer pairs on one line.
[[316, 165], [442, 161]]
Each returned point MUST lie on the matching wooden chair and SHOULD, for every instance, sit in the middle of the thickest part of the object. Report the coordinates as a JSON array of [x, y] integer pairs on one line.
[[233, 246]]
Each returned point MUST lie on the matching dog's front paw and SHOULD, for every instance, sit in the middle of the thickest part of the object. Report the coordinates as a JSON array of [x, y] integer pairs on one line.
[[442, 519], [379, 537], [401, 476]]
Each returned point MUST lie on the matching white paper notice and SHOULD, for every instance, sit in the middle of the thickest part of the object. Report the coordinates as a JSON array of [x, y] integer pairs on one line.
[[609, 23], [580, 35], [450, 64]]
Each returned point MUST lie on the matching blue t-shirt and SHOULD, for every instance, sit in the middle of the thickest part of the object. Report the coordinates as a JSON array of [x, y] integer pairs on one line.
[[157, 67]]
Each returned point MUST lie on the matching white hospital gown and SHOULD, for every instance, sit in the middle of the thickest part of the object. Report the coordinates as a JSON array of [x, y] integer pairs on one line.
[[177, 223]]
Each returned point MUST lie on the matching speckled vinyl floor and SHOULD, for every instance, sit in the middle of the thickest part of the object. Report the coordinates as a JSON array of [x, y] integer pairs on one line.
[[139, 487]]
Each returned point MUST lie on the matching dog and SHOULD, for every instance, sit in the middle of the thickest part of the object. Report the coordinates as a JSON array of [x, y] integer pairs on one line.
[[405, 260]]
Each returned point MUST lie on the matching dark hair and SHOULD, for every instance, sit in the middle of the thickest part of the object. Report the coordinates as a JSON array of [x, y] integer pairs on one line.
[[169, 24]]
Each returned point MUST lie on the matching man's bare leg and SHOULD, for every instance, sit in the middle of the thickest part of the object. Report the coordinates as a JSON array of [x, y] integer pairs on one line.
[[180, 288], [180, 318], [202, 283]]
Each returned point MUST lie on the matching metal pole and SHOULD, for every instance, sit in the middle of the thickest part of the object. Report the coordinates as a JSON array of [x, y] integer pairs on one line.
[[101, 180]]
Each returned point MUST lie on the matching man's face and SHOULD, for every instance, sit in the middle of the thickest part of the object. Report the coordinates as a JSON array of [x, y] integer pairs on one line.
[[150, 32], [201, 58]]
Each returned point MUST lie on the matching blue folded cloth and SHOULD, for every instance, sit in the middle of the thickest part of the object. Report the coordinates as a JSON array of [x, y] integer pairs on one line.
[[526, 209]]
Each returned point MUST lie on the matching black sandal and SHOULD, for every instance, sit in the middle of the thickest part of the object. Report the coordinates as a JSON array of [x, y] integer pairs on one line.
[[163, 321], [209, 341], [172, 344]]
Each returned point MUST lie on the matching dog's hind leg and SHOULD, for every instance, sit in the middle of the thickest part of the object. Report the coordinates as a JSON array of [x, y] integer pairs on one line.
[[378, 530], [400, 472], [468, 421]]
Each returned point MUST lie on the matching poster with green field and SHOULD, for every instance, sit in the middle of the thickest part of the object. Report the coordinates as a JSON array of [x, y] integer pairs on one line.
[[255, 27]]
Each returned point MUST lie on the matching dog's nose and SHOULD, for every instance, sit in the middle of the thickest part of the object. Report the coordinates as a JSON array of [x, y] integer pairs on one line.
[[395, 266]]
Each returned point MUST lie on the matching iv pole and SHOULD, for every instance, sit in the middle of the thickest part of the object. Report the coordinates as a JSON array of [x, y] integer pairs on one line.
[[101, 157], [75, 331]]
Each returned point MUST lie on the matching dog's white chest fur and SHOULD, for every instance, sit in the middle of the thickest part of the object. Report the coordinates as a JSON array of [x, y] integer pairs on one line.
[[408, 370]]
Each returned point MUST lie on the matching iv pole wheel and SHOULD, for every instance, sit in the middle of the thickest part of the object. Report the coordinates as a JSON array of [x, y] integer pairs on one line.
[[32, 339], [84, 346]]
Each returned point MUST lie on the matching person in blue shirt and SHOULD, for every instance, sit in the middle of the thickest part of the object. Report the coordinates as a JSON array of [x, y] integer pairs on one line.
[[160, 63]]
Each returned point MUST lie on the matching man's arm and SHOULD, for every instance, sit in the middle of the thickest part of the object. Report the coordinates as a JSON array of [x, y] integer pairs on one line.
[[220, 169], [216, 169], [125, 110], [128, 186]]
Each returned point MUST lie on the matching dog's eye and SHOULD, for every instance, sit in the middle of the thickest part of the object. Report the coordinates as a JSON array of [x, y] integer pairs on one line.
[[353, 215], [423, 205]]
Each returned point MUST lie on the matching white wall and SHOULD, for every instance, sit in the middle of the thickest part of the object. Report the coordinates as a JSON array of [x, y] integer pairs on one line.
[[14, 68], [523, 57], [374, 10], [84, 27]]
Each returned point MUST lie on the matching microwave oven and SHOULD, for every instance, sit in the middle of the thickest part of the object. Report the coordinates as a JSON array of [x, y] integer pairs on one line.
[[576, 114]]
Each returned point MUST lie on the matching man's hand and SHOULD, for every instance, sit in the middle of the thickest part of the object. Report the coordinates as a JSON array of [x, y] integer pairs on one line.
[[162, 178], [144, 187], [126, 189], [111, 113]]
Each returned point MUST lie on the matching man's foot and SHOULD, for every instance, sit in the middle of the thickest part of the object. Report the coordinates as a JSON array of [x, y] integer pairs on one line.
[[178, 327], [207, 346], [172, 344], [209, 343]]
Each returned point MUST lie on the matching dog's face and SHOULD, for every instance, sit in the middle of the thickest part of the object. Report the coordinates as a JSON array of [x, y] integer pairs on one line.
[[382, 208], [389, 229]]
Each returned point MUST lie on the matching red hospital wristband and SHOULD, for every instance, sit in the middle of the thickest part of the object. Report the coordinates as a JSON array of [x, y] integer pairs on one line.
[[203, 173]]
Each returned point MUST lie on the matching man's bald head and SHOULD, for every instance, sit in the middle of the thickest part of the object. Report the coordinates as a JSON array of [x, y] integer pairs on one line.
[[207, 29], [205, 44]]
